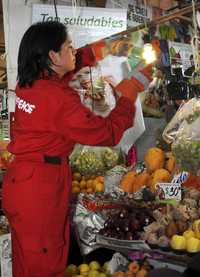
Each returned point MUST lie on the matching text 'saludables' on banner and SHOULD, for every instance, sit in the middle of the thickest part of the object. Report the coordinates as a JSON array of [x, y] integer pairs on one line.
[[85, 24]]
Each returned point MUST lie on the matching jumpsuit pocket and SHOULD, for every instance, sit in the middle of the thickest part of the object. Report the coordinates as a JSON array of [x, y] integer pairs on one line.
[[16, 182], [19, 173], [50, 179], [42, 259]]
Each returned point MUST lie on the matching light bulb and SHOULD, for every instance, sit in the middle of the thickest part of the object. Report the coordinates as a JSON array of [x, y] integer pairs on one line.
[[149, 54]]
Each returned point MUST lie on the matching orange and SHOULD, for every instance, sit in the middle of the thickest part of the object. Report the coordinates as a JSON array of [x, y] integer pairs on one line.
[[76, 176], [82, 184], [75, 183], [89, 183], [75, 189], [89, 190], [99, 187], [95, 182], [100, 179]]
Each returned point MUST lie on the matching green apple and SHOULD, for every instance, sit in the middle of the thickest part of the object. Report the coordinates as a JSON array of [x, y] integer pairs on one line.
[[94, 265], [71, 270], [83, 268], [102, 274], [93, 273], [106, 266]]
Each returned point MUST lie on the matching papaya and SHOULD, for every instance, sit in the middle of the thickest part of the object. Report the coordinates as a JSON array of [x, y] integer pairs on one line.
[[141, 180], [154, 158], [127, 181], [160, 176]]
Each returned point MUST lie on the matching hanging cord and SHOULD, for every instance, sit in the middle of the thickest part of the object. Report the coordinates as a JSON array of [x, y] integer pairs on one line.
[[74, 7], [55, 8], [145, 18], [92, 88]]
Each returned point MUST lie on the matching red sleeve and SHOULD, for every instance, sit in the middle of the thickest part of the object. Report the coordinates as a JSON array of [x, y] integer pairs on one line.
[[83, 126]]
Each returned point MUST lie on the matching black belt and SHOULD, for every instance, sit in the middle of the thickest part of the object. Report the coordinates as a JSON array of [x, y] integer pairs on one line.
[[52, 159]]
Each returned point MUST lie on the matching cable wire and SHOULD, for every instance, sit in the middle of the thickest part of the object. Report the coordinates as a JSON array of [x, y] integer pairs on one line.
[[55, 8]]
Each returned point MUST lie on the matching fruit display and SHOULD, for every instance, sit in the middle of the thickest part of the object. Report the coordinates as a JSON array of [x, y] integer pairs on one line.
[[87, 184], [126, 224], [93, 269], [160, 167], [174, 224], [189, 240], [135, 269]]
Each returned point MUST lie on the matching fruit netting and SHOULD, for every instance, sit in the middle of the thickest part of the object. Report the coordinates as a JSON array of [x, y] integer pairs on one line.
[[90, 161]]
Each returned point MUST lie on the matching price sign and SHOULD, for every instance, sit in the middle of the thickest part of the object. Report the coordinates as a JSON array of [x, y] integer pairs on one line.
[[168, 191]]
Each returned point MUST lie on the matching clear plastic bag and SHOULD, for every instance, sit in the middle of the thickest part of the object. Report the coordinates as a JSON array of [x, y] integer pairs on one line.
[[94, 160], [184, 133], [94, 90]]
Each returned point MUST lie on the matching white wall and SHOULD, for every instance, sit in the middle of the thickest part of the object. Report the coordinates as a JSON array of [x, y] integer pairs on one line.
[[17, 18]]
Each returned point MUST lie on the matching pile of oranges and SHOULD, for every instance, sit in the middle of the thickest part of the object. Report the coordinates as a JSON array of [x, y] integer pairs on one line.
[[87, 184]]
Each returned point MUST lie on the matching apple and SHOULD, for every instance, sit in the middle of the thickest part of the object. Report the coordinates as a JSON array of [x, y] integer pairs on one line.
[[93, 273], [94, 265], [102, 274], [71, 270], [84, 269]]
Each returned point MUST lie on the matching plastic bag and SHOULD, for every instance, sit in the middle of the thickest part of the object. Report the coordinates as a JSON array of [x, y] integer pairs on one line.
[[184, 133], [94, 160], [94, 91]]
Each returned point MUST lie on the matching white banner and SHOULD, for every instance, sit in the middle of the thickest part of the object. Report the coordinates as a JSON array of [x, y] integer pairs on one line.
[[84, 24], [137, 12]]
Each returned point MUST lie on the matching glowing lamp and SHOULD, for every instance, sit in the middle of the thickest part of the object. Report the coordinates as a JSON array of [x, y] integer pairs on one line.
[[149, 54]]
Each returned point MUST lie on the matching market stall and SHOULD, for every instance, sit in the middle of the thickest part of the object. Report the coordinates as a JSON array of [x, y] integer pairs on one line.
[[135, 206]]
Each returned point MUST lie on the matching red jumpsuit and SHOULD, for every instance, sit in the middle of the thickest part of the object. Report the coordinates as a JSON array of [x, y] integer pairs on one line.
[[49, 120]]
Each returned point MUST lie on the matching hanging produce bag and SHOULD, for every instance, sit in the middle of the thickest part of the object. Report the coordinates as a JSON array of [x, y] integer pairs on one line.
[[184, 133]]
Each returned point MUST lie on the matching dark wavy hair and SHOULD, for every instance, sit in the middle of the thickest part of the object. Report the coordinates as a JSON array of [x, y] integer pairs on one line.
[[33, 56]]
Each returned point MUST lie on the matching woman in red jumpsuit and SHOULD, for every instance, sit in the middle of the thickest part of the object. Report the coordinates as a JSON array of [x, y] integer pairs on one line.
[[49, 120]]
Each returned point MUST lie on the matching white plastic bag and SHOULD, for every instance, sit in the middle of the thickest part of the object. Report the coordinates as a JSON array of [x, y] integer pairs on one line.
[[184, 133]]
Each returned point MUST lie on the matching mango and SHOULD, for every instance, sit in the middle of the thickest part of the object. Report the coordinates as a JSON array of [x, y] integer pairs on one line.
[[193, 245], [189, 234], [196, 228], [178, 242]]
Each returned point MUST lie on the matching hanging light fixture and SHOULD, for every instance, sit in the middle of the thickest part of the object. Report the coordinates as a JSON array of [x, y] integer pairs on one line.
[[149, 54]]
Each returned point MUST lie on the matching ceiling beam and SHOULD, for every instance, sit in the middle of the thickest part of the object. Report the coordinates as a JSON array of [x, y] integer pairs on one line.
[[185, 18]]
